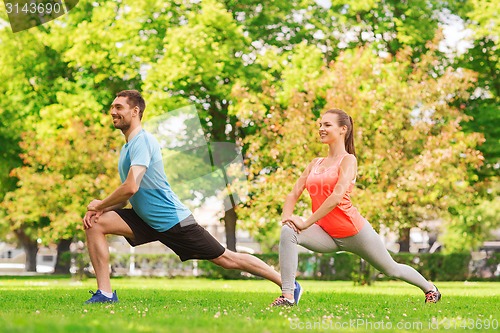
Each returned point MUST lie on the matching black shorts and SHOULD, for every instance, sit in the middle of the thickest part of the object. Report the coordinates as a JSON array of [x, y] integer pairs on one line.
[[187, 238]]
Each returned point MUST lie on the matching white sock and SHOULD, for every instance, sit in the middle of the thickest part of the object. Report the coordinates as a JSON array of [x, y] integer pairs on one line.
[[108, 295], [290, 300]]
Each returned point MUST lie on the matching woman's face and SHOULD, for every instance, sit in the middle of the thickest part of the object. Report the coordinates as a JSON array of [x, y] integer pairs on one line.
[[329, 130]]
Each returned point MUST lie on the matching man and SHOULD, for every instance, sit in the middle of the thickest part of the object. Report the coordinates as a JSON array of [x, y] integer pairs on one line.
[[156, 213]]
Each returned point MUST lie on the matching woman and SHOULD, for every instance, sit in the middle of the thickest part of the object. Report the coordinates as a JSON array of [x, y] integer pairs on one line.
[[335, 224]]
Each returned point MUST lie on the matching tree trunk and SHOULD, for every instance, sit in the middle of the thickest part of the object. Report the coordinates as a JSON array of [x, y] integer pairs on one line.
[[222, 154], [63, 261], [230, 228], [404, 240], [30, 248]]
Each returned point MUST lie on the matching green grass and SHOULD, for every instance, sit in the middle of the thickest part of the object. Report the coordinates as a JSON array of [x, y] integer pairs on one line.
[[45, 304]]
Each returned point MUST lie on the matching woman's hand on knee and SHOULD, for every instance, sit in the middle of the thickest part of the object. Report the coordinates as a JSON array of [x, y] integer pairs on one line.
[[291, 225], [298, 223]]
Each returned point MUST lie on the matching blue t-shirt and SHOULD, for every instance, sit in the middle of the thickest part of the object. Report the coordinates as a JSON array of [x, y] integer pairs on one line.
[[154, 202]]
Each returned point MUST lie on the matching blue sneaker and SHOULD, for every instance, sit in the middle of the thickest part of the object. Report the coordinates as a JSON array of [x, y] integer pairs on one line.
[[98, 297], [297, 293]]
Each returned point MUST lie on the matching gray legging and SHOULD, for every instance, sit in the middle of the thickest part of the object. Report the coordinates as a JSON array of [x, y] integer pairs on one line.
[[366, 244]]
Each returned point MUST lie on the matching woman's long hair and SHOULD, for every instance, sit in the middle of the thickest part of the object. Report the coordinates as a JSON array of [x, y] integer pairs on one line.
[[345, 120]]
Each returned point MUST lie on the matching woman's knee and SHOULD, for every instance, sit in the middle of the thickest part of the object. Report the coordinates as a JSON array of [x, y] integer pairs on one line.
[[288, 234], [393, 271]]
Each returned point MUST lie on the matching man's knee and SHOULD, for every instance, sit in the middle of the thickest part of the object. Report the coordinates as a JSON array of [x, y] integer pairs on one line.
[[94, 230], [107, 218], [100, 224], [228, 260]]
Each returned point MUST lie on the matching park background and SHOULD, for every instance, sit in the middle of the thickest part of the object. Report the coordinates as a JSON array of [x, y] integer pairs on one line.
[[420, 79]]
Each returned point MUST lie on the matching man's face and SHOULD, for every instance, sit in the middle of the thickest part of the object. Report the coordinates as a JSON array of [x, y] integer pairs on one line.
[[121, 112]]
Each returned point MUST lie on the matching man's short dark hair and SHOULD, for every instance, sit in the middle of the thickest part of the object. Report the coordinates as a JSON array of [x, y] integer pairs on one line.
[[134, 98]]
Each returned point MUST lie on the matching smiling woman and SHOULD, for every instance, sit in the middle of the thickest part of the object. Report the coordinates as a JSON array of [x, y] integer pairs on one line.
[[335, 225]]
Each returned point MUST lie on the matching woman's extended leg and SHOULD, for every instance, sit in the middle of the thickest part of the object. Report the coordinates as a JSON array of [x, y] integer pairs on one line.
[[368, 245]]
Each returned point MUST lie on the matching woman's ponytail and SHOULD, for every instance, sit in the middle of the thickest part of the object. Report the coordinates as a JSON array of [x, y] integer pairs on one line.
[[349, 138]]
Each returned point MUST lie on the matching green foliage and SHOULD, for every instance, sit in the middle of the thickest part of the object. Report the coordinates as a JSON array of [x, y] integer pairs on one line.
[[470, 225], [23, 83], [386, 25], [484, 18], [54, 185], [152, 265], [57, 91], [198, 64]]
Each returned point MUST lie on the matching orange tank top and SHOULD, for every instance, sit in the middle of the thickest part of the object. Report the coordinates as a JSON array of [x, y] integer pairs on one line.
[[344, 220]]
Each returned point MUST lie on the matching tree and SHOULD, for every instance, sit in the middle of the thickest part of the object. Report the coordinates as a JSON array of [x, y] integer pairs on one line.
[[99, 49], [472, 220], [200, 63], [385, 25], [274, 119], [57, 59], [483, 58], [23, 81]]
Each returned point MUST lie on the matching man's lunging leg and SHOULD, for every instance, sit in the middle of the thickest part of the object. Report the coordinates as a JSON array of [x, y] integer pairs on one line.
[[107, 223], [97, 246]]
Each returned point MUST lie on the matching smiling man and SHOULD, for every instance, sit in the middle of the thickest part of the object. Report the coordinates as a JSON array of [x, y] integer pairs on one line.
[[156, 214]]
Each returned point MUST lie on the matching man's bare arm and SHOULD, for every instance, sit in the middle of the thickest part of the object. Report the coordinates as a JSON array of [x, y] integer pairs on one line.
[[121, 195]]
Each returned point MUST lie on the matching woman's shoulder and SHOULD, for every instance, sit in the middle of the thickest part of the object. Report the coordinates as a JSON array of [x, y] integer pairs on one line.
[[348, 155], [313, 163], [349, 159]]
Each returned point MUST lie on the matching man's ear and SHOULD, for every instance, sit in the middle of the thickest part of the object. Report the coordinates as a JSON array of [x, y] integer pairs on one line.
[[136, 110]]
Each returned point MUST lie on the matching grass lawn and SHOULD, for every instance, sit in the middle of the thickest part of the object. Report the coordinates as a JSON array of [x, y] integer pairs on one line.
[[47, 304]]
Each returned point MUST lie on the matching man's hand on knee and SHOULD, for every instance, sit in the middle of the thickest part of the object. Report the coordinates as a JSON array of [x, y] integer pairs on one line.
[[90, 218]]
